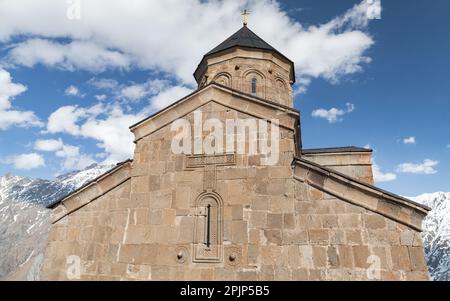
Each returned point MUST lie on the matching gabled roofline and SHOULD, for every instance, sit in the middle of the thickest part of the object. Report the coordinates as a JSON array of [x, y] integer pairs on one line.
[[260, 100], [357, 193], [382, 192], [332, 150], [97, 179]]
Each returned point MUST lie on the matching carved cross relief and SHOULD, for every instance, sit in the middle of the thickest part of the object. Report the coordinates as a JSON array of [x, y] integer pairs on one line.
[[208, 231], [209, 165]]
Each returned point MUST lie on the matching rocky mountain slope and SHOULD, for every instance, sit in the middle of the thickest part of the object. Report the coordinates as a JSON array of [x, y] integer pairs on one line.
[[24, 220], [436, 234], [24, 223]]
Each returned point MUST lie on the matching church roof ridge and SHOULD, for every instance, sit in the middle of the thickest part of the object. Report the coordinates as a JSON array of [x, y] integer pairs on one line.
[[244, 37], [344, 149]]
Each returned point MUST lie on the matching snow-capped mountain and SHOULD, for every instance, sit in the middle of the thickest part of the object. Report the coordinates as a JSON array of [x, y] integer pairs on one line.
[[436, 235], [24, 222]]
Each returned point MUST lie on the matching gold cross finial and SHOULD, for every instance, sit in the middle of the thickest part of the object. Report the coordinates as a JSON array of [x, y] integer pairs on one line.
[[245, 15]]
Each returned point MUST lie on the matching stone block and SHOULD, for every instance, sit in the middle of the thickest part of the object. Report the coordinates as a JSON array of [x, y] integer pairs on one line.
[[224, 274], [315, 194], [182, 197], [186, 230], [239, 232], [260, 203], [345, 256], [417, 257], [280, 172], [138, 234], [267, 273], [141, 216], [128, 253], [246, 276], [273, 236], [274, 221], [360, 256], [319, 236], [300, 275], [168, 216], [156, 217], [400, 258], [354, 237], [337, 237], [161, 200], [329, 221], [388, 208], [288, 221], [154, 183], [258, 219], [281, 204], [295, 236], [320, 256], [349, 221], [333, 257], [406, 238], [140, 184], [374, 221], [237, 212]]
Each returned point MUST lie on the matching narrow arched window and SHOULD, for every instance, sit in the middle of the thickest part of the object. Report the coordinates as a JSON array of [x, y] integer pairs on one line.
[[254, 83]]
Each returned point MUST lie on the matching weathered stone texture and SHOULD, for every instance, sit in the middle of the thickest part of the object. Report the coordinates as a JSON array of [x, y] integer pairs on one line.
[[279, 222]]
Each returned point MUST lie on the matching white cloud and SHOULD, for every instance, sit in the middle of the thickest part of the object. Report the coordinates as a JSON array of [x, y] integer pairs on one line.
[[103, 83], [162, 38], [72, 158], [108, 124], [50, 145], [138, 91], [73, 91], [8, 116], [379, 176], [426, 167], [409, 140], [73, 56], [100, 97], [333, 115], [64, 120], [169, 96], [25, 161], [448, 146]]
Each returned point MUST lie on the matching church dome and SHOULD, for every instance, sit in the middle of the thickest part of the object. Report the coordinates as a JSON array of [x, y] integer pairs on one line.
[[246, 39]]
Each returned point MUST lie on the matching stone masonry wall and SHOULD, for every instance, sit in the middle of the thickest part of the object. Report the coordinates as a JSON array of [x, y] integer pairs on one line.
[[273, 226]]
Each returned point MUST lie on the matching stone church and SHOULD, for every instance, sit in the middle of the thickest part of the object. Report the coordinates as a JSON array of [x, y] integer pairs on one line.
[[312, 215]]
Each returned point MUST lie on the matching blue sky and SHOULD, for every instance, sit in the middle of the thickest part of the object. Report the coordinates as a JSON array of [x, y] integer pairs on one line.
[[386, 75]]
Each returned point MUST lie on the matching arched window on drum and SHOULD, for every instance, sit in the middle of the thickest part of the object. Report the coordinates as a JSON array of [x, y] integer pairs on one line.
[[254, 86]]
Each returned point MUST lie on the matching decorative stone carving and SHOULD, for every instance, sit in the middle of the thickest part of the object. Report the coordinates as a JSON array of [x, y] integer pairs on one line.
[[233, 255], [181, 254], [209, 165]]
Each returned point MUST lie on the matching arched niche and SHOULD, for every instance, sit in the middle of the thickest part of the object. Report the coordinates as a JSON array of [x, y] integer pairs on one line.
[[208, 228], [223, 79], [254, 83]]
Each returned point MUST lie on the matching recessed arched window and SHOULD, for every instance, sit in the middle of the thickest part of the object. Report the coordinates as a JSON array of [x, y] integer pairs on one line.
[[254, 83]]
